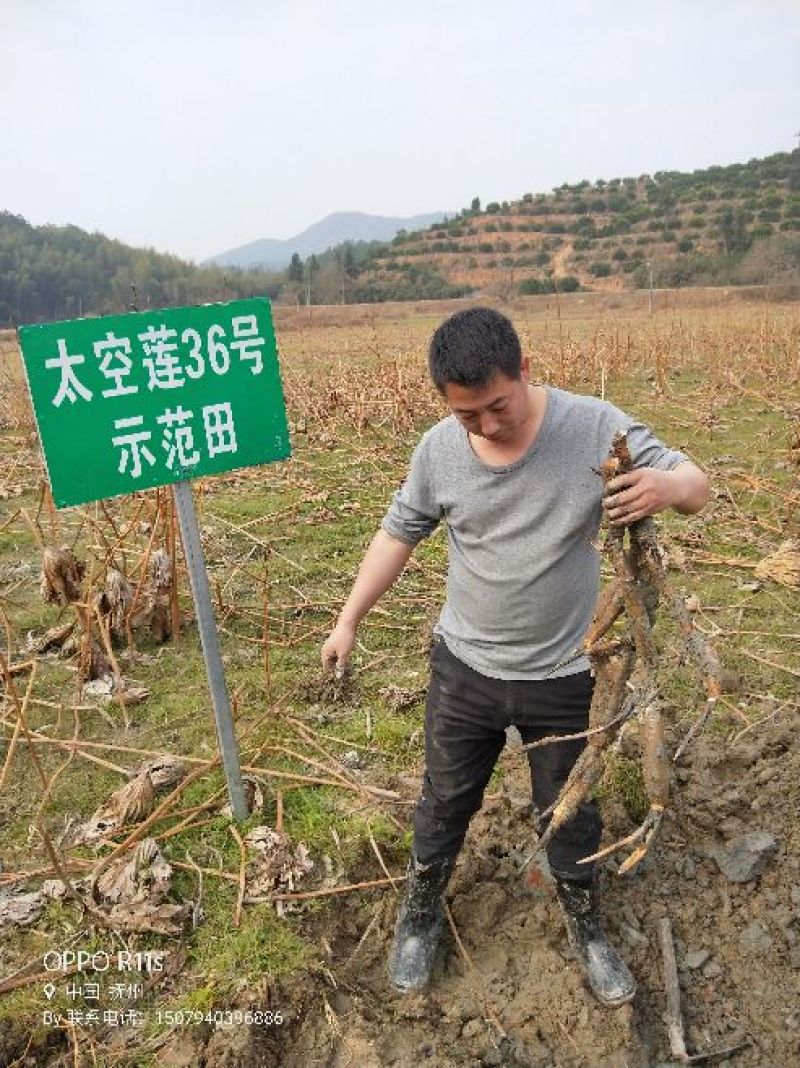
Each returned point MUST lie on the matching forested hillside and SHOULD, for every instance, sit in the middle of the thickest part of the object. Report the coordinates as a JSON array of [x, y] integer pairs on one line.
[[722, 225], [738, 224], [59, 272]]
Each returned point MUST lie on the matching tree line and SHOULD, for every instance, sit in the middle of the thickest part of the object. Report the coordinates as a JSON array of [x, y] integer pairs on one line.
[[62, 272]]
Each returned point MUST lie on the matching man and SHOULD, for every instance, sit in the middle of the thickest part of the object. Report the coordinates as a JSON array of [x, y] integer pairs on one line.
[[512, 472]]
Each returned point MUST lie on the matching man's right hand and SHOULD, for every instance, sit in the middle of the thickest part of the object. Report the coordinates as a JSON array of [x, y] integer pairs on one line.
[[383, 561], [338, 646]]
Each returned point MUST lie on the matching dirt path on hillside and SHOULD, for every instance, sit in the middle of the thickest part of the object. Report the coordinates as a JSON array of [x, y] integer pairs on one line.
[[560, 260], [521, 1003]]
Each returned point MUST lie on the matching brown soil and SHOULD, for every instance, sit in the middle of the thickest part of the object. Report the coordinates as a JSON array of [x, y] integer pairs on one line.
[[522, 1001]]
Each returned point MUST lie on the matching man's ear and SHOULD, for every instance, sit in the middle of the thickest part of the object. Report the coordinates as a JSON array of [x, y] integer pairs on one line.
[[525, 370]]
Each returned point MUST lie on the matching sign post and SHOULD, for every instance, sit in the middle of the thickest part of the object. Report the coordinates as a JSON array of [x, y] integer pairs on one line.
[[209, 639], [129, 402]]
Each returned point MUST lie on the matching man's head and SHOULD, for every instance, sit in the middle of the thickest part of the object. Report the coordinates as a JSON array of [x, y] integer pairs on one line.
[[476, 363], [471, 346]]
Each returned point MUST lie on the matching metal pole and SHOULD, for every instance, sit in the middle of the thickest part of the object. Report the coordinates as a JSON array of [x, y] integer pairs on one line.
[[650, 269], [193, 551]]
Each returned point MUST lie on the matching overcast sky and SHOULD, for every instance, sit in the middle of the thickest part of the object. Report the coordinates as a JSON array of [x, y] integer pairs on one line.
[[198, 125]]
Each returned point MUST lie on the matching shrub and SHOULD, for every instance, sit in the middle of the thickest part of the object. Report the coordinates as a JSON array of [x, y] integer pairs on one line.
[[534, 286], [600, 269], [636, 213], [617, 202]]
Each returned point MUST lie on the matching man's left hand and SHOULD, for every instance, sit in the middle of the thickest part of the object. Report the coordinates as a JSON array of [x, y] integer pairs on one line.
[[641, 493]]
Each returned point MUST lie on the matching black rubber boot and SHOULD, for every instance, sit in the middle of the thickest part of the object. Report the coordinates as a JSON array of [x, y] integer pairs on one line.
[[419, 923], [606, 972]]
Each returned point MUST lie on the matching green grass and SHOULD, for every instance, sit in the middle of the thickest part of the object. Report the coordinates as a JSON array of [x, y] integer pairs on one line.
[[623, 781]]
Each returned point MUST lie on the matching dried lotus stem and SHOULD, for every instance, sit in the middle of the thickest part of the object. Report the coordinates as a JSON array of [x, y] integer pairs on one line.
[[62, 575]]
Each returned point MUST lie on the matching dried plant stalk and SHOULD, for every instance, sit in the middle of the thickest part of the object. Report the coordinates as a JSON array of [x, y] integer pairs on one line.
[[638, 589], [62, 575], [117, 601], [159, 586]]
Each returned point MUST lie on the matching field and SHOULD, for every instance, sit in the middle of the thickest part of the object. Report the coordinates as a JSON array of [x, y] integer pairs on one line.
[[337, 763]]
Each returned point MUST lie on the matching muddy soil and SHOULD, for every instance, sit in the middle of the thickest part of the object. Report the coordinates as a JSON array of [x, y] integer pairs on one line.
[[518, 1000], [521, 1000]]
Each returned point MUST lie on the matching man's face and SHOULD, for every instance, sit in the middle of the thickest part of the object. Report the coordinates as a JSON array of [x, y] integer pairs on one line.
[[495, 411]]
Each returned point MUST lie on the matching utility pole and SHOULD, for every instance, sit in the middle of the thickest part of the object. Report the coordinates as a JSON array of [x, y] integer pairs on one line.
[[650, 269]]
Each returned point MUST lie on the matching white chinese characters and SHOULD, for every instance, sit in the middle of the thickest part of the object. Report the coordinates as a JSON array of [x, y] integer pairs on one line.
[[161, 358], [177, 439], [114, 355], [220, 432], [248, 343], [155, 359], [132, 446], [69, 386]]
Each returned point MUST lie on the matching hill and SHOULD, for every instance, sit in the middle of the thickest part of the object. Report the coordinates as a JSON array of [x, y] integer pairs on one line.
[[333, 230], [725, 225], [58, 272], [722, 225]]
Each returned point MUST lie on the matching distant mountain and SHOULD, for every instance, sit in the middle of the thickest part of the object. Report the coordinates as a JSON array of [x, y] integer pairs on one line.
[[332, 230]]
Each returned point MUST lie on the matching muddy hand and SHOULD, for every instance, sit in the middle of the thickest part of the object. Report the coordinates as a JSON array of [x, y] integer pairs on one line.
[[337, 648]]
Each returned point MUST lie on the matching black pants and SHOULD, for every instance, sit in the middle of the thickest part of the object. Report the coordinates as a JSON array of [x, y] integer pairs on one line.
[[465, 720]]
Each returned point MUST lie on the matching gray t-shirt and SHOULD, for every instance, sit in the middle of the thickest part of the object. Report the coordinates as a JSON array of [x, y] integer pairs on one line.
[[523, 571]]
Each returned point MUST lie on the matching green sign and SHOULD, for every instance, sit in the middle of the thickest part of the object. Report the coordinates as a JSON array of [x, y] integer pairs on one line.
[[128, 402]]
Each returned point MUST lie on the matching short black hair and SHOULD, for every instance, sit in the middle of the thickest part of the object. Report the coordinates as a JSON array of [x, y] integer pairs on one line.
[[471, 346]]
